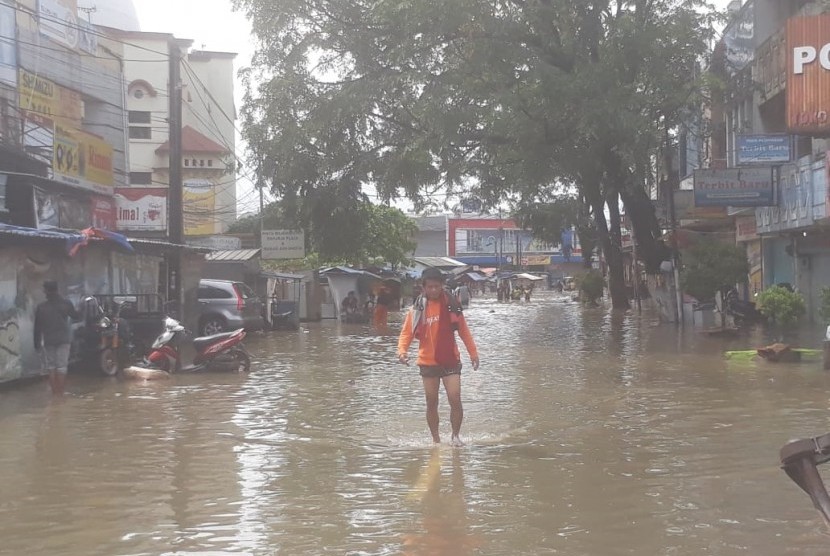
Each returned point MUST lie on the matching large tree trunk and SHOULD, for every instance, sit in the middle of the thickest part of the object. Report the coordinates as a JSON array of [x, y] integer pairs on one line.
[[613, 258], [616, 267]]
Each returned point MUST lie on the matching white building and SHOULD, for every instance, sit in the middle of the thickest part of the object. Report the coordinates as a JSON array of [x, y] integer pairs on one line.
[[208, 135]]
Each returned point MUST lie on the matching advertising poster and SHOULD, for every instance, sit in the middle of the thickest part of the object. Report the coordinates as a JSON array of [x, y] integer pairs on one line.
[[82, 159], [141, 209], [199, 207], [103, 213], [47, 98], [47, 209]]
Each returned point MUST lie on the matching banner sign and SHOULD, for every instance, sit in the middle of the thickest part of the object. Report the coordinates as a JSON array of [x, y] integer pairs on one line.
[[103, 213], [734, 187], [808, 74], [82, 159], [141, 209], [764, 149], [59, 21], [199, 207], [47, 98], [283, 244], [746, 229]]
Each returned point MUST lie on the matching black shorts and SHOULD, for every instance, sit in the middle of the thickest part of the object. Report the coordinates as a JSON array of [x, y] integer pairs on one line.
[[437, 371]]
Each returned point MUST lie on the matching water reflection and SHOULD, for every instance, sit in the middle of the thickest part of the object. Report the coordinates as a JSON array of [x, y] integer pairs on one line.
[[443, 528], [588, 433]]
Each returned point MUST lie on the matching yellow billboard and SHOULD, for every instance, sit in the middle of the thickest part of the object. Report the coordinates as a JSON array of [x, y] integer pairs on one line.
[[47, 98], [199, 201], [82, 159]]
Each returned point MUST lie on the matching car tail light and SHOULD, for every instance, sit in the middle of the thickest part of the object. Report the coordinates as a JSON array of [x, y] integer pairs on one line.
[[240, 302]]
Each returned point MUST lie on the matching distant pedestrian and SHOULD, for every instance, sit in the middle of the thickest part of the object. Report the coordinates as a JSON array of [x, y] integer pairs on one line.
[[433, 320], [381, 315], [53, 335]]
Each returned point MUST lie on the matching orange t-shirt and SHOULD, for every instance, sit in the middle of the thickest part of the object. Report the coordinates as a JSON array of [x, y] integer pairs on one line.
[[429, 338]]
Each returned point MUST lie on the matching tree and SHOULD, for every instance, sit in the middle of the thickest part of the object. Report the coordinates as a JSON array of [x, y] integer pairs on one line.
[[710, 266], [250, 224], [489, 98], [389, 235]]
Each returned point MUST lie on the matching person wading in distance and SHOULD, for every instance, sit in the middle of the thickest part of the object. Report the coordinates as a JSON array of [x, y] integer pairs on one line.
[[433, 319]]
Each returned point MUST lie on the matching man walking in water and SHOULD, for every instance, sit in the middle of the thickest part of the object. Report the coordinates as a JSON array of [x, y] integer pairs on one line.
[[433, 320], [53, 335]]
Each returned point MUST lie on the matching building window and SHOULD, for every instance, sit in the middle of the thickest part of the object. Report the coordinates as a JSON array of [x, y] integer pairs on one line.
[[187, 162], [139, 132], [139, 94], [139, 117], [210, 163], [141, 178]]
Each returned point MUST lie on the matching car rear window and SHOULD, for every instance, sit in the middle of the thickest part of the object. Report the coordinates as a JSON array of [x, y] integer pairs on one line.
[[210, 292], [244, 290]]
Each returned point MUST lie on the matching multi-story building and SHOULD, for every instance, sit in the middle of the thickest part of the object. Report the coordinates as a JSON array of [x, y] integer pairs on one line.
[[208, 133], [774, 131], [62, 123]]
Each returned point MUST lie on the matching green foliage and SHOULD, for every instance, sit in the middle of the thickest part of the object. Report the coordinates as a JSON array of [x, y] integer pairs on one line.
[[824, 310], [781, 305], [274, 220], [591, 286], [710, 266], [494, 100]]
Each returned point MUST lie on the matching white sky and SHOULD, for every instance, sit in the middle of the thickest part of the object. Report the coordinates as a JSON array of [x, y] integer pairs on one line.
[[213, 25]]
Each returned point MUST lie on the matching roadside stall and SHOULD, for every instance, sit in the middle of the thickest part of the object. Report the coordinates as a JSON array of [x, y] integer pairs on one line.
[[284, 300]]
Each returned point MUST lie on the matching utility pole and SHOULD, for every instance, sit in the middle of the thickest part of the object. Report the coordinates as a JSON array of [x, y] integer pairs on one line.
[[261, 215], [175, 220], [668, 189]]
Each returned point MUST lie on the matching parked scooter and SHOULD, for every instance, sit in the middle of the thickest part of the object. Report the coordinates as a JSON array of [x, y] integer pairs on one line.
[[220, 352]]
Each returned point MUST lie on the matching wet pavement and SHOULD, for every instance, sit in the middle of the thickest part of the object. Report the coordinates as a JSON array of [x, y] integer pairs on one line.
[[588, 434]]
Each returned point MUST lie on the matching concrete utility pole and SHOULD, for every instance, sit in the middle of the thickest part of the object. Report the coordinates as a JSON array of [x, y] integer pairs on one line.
[[175, 221]]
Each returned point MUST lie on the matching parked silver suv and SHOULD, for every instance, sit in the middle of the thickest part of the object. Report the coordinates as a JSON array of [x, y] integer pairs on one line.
[[225, 305]]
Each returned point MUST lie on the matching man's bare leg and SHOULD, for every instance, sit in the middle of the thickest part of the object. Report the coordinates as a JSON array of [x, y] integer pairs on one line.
[[452, 385], [56, 382], [431, 386]]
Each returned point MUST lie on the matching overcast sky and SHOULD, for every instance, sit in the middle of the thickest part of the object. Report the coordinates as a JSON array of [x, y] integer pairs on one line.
[[213, 25]]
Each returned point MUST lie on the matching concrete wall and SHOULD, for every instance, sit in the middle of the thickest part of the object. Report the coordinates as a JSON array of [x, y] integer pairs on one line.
[[431, 244]]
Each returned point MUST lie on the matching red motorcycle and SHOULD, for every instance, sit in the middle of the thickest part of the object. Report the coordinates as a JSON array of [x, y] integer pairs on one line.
[[220, 352]]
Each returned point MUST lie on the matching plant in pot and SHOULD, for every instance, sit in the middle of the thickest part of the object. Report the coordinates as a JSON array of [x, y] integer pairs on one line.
[[782, 306]]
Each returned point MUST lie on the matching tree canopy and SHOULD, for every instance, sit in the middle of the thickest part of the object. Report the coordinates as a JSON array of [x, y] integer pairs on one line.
[[490, 98], [362, 234]]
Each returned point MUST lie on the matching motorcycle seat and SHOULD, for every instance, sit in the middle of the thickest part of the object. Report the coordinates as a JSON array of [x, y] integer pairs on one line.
[[199, 343]]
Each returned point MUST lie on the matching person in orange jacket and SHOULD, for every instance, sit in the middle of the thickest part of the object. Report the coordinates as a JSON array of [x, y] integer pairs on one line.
[[433, 320]]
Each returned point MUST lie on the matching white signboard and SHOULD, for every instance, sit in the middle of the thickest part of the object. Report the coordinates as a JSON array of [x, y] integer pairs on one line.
[[59, 21], [141, 209], [283, 244], [218, 243]]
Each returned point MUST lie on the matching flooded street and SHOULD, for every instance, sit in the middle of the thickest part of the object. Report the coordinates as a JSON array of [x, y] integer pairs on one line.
[[587, 434]]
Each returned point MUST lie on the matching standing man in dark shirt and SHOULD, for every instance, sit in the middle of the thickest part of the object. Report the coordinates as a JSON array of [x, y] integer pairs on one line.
[[53, 335]]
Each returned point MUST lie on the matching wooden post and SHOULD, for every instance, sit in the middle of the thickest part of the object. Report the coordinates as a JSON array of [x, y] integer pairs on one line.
[[826, 358]]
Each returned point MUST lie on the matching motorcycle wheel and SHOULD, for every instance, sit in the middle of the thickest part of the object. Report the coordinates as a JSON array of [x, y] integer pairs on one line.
[[242, 361], [108, 362]]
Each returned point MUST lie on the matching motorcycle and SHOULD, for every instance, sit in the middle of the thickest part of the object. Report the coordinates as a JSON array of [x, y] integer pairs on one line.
[[220, 352], [743, 312], [100, 340]]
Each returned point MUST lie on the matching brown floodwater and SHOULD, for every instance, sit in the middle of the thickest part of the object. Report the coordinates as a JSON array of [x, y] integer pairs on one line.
[[588, 434]]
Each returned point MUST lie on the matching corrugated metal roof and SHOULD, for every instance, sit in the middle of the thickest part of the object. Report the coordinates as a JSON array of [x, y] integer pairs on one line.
[[438, 262], [234, 255]]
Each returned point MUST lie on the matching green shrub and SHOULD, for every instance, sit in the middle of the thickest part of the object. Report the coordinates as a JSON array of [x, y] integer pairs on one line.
[[781, 305], [591, 286]]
